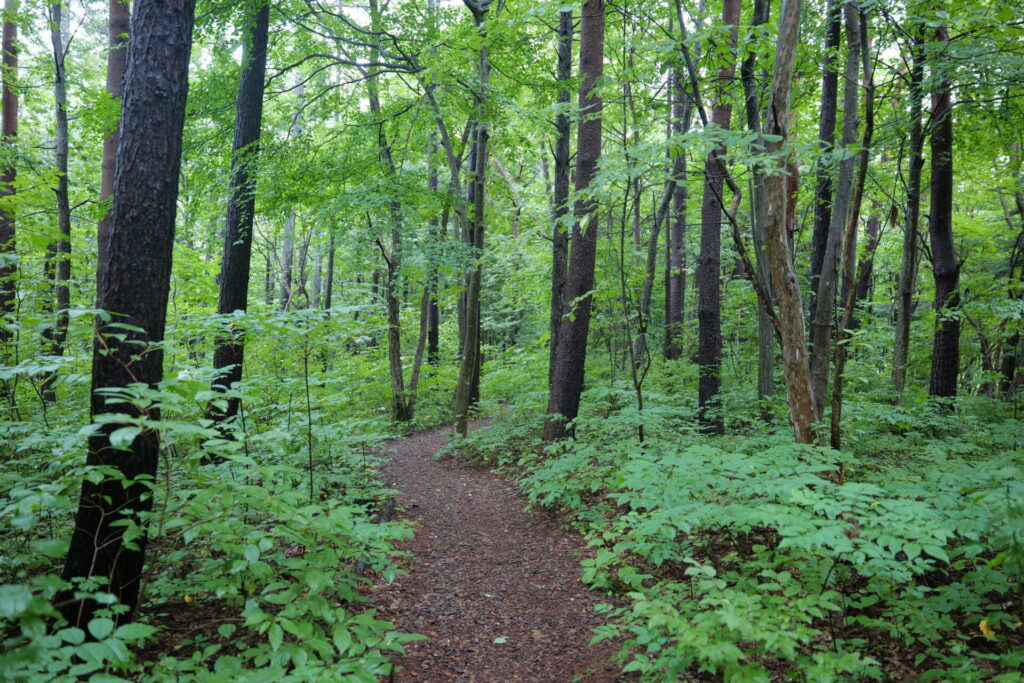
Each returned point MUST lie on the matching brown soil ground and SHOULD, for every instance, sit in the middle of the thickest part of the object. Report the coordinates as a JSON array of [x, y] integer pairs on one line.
[[496, 589]]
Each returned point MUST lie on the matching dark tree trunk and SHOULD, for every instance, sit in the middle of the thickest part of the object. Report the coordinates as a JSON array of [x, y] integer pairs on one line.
[[824, 306], [707, 276], [134, 288], [826, 143], [908, 267], [329, 277], [945, 265], [234, 271], [675, 268], [559, 203], [571, 354], [765, 330], [467, 388], [118, 22], [9, 174], [59, 250], [431, 311]]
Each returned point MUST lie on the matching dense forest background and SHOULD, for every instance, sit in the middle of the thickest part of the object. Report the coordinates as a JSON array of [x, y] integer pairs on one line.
[[740, 284]]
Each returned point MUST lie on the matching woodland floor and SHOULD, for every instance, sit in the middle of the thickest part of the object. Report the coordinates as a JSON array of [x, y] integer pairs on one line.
[[496, 589]]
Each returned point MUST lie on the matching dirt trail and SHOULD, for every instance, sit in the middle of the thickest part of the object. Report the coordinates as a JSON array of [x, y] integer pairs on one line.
[[497, 590]]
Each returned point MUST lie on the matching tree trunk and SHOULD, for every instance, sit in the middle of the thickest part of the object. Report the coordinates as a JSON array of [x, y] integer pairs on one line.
[[908, 267], [467, 388], [284, 296], [9, 174], [850, 239], [825, 295], [117, 56], [945, 265], [675, 280], [765, 330], [826, 145], [329, 278], [559, 204], [571, 354], [59, 249], [786, 287], [134, 286], [229, 353], [708, 276]]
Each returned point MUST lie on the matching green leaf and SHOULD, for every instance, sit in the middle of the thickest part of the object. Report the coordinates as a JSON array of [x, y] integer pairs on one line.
[[101, 627], [134, 631]]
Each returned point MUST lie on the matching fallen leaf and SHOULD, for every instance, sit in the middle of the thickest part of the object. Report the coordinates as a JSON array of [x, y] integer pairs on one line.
[[986, 630]]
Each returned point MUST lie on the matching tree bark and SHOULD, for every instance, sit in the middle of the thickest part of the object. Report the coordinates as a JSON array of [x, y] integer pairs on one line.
[[9, 174], [467, 388], [826, 145], [825, 295], [675, 279], [119, 19], [908, 266], [229, 353], [707, 276], [571, 354], [945, 264], [134, 289], [59, 249], [799, 393], [559, 203], [765, 329]]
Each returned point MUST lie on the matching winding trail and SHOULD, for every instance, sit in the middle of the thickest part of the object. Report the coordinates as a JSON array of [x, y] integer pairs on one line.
[[496, 589]]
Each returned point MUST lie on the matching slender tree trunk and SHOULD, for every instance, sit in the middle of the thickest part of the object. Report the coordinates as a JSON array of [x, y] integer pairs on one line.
[[9, 174], [433, 318], [945, 264], [329, 278], [675, 282], [284, 296], [799, 393], [467, 388], [117, 55], [850, 239], [765, 330], [229, 353], [58, 254], [135, 286], [571, 354], [908, 267], [560, 200], [708, 276], [826, 144], [825, 295]]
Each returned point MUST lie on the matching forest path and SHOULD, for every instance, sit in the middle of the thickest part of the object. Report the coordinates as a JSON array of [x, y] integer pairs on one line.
[[496, 589]]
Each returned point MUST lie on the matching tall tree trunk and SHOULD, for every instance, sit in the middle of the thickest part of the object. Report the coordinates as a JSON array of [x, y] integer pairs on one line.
[[945, 265], [467, 387], [850, 239], [675, 268], [799, 393], [329, 278], [401, 403], [560, 199], [765, 330], [134, 286], [708, 276], [119, 18], [9, 174], [229, 353], [284, 296], [59, 249], [571, 354], [825, 295], [826, 145], [908, 266]]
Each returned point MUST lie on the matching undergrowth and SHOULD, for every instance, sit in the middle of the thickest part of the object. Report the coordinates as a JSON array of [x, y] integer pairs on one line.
[[741, 557]]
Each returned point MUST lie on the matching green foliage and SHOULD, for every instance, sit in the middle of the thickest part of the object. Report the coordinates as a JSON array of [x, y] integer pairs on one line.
[[746, 558]]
